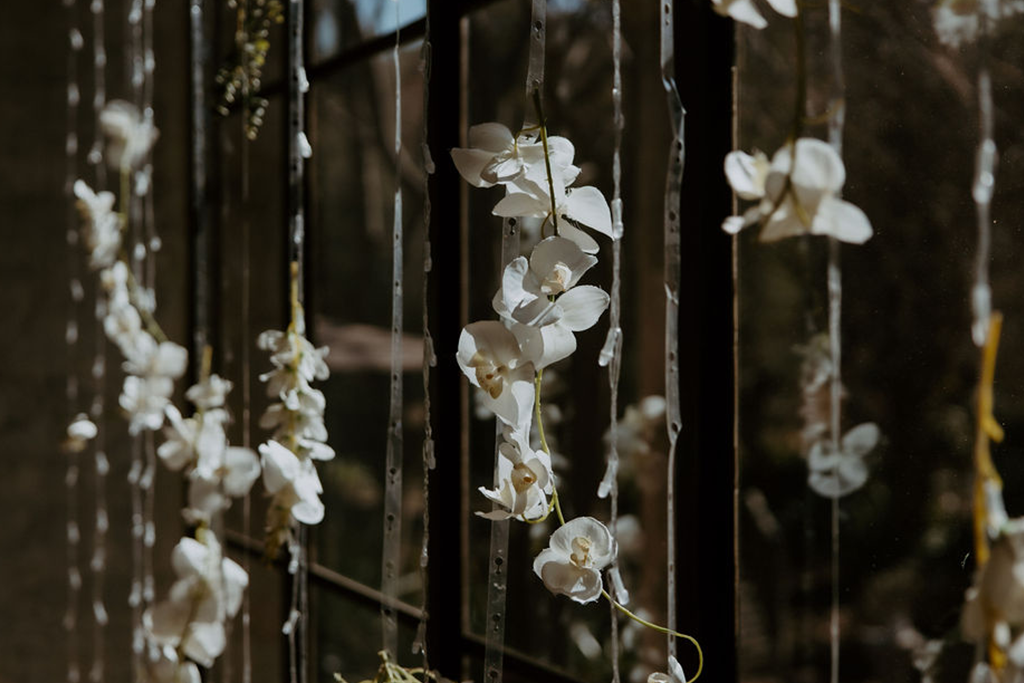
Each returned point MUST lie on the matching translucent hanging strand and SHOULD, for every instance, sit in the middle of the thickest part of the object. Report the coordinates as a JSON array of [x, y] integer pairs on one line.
[[71, 337], [296, 628], [152, 241], [391, 557], [429, 358], [241, 38], [497, 581], [984, 180], [611, 353], [673, 184], [98, 561], [133, 58], [837, 118]]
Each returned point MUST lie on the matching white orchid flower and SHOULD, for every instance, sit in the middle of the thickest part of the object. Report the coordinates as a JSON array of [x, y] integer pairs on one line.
[[291, 351], [572, 563], [556, 265], [956, 21], [495, 157], [102, 227], [210, 393], [746, 12], [294, 484], [144, 399], [584, 206], [208, 591], [834, 475], [550, 335], [130, 134], [524, 480], [803, 202], [80, 431], [168, 669], [489, 355]]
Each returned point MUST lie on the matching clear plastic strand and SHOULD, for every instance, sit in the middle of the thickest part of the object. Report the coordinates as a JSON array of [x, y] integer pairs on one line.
[[101, 522], [99, 97], [74, 574], [298, 151], [429, 359], [136, 529], [837, 107], [244, 345], [392, 551], [98, 561], [984, 183], [613, 343], [673, 183]]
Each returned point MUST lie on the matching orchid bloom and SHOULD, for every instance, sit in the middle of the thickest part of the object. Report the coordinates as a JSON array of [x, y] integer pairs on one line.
[[746, 12], [207, 593], [294, 484], [130, 134], [489, 355], [540, 299], [834, 475], [101, 227], [795, 198], [495, 157], [572, 563], [584, 206], [524, 480]]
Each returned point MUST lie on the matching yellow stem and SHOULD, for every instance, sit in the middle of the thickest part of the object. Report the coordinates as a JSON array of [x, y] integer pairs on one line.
[[661, 629], [542, 125]]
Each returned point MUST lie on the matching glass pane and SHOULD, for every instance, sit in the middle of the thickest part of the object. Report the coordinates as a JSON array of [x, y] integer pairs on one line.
[[352, 180], [909, 364], [338, 25]]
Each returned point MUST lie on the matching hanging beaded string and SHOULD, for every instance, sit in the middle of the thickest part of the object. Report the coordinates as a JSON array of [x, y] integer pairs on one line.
[[673, 184], [611, 352], [429, 358], [837, 108], [248, 134], [98, 562], [153, 245], [71, 337], [298, 150], [984, 182], [391, 557], [497, 582]]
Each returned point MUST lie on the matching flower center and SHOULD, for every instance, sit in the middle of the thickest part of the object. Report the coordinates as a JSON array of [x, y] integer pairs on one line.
[[557, 281], [522, 477], [581, 552], [489, 375]]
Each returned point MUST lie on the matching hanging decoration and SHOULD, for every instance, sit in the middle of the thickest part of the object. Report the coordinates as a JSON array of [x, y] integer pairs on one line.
[[80, 429], [611, 352], [541, 307], [240, 78]]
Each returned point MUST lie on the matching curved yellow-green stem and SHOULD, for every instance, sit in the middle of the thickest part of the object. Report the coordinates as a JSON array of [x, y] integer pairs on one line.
[[661, 629]]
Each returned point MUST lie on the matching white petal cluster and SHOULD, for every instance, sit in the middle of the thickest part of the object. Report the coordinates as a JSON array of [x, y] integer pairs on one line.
[[130, 134], [796, 194], [833, 474], [188, 627], [496, 157], [216, 471], [101, 226], [958, 21], [525, 479], [745, 11], [571, 565], [151, 365], [299, 435]]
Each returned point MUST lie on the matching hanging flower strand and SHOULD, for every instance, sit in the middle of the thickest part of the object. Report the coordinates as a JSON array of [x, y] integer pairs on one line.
[[299, 435], [540, 307]]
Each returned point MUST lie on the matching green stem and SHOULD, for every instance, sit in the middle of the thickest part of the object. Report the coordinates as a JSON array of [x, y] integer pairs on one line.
[[547, 157], [661, 629]]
